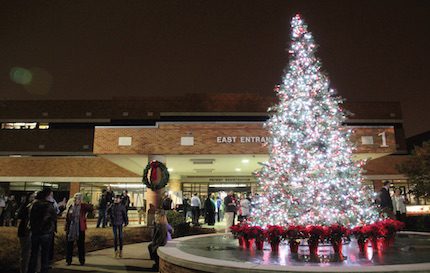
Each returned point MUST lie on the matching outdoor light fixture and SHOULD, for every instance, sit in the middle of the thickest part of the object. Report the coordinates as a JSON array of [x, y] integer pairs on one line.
[[245, 161]]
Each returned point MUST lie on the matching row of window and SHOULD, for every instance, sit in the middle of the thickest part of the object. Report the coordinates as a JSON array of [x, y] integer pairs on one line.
[[24, 125]]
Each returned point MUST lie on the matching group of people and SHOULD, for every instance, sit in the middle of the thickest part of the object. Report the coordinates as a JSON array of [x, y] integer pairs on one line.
[[8, 210], [216, 209], [392, 206], [37, 224], [106, 201]]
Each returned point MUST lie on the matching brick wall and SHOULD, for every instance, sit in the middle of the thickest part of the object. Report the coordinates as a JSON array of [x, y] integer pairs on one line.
[[51, 140], [166, 139], [166, 267]]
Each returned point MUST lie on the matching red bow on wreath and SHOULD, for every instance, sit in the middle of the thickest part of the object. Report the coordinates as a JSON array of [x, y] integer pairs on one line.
[[154, 166]]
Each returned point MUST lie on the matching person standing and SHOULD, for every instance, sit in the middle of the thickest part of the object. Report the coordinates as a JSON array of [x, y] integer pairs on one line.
[[185, 206], [43, 219], [76, 224], [399, 205], [230, 210], [150, 216], [102, 210], [23, 231], [125, 200], [2, 206], [159, 237], [119, 218], [385, 202], [218, 208], [167, 203], [209, 211], [195, 209], [109, 201], [245, 207], [10, 211]]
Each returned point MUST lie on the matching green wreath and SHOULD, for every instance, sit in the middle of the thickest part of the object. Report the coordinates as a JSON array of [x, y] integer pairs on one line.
[[164, 175]]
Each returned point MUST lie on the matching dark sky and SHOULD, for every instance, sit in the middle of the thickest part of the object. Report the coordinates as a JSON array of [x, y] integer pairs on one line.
[[372, 50]]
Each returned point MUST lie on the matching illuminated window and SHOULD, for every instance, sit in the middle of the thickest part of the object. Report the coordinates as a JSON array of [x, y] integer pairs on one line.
[[43, 126], [24, 125]]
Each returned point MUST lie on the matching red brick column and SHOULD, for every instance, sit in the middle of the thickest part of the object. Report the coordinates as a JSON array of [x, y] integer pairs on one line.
[[74, 188], [378, 184]]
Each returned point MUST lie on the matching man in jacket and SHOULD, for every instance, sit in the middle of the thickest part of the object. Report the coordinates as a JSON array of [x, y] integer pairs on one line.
[[385, 201], [230, 210], [43, 219], [195, 209], [102, 210]]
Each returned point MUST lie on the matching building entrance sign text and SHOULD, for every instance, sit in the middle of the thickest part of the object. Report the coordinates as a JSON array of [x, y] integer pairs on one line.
[[241, 139]]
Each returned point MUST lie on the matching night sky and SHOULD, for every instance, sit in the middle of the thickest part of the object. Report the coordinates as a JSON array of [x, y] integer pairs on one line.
[[371, 50]]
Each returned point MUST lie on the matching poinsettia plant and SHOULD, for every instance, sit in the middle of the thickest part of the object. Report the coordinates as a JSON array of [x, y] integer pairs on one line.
[[239, 230], [257, 233], [294, 232], [337, 232], [375, 230], [392, 226], [274, 233], [317, 233]]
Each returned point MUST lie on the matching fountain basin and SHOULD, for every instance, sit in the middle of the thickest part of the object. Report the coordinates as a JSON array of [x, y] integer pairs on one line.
[[221, 253]]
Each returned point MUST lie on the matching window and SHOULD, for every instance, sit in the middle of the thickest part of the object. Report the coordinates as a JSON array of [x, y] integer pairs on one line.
[[24, 125], [188, 190]]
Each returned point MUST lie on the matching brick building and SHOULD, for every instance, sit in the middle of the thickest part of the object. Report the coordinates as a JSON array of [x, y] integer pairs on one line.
[[210, 143]]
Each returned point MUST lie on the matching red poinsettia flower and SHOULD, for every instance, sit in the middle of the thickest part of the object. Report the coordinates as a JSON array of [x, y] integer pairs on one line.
[[375, 230], [274, 233], [317, 232], [336, 232], [257, 233], [294, 232]]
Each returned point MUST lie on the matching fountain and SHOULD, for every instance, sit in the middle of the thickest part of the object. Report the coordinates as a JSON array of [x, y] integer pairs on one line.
[[222, 253]]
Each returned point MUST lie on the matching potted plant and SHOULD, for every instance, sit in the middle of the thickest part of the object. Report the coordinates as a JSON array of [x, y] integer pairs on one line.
[[294, 234], [274, 236], [259, 235], [315, 235], [336, 233]]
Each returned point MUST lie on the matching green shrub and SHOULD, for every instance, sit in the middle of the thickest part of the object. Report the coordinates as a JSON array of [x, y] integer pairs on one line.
[[60, 243], [10, 250], [181, 230], [98, 241], [175, 218]]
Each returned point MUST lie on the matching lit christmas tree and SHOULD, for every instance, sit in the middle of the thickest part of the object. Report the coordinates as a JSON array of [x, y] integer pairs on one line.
[[310, 178]]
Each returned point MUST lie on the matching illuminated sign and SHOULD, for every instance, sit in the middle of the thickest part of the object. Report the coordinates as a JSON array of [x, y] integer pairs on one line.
[[242, 139]]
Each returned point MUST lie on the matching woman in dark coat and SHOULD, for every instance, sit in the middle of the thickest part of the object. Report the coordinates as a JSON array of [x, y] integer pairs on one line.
[[209, 211], [24, 232], [118, 218]]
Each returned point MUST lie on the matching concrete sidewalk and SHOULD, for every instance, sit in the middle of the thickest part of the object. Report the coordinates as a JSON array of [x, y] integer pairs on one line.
[[135, 259]]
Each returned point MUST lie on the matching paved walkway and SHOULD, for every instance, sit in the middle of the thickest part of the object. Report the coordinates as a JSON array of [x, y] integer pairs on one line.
[[135, 259]]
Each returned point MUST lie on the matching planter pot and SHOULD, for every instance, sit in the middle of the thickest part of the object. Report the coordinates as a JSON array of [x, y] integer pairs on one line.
[[248, 243], [389, 241], [313, 247], [362, 245], [275, 246], [294, 246], [337, 246], [241, 241], [375, 244], [259, 244]]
